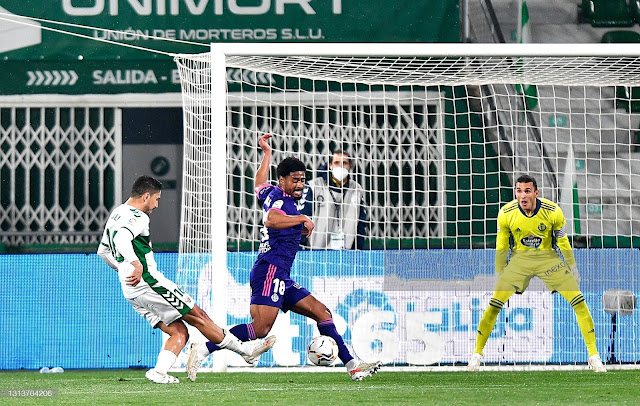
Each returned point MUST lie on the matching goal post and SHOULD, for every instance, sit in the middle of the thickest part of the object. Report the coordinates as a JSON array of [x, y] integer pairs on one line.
[[437, 134]]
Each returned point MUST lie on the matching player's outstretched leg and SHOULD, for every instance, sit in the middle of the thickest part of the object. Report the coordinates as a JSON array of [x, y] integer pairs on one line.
[[178, 336], [585, 322], [485, 327], [250, 351]]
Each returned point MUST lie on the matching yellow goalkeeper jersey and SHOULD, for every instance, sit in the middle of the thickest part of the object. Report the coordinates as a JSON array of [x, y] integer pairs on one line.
[[532, 237]]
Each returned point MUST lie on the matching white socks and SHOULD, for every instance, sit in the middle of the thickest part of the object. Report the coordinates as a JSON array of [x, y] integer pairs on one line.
[[202, 350], [232, 343], [166, 359]]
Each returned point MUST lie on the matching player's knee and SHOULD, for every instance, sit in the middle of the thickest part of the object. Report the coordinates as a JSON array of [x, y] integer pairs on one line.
[[197, 311], [182, 337], [198, 317], [321, 313], [178, 333]]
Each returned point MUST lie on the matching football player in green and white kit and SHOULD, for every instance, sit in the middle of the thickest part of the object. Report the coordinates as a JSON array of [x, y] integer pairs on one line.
[[126, 247]]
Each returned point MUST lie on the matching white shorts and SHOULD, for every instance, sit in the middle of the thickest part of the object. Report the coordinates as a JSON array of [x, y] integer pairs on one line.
[[164, 302]]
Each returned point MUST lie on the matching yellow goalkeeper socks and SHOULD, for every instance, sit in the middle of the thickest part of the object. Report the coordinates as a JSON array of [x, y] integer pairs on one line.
[[585, 322], [485, 327]]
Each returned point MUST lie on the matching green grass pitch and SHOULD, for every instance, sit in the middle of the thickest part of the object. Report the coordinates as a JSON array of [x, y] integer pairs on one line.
[[100, 387]]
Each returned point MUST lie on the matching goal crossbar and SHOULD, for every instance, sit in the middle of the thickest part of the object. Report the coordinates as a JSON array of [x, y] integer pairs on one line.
[[439, 64], [439, 49]]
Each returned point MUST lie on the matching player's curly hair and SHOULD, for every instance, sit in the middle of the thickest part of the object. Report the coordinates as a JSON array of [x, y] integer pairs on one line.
[[528, 179], [289, 165], [145, 184]]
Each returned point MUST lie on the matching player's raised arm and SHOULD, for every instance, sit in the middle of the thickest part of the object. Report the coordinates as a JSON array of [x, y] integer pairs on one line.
[[262, 175]]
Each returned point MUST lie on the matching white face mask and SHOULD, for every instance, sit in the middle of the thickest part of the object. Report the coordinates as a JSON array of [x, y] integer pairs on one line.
[[339, 173]]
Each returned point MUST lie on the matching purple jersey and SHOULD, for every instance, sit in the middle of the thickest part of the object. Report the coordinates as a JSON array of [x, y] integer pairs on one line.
[[278, 247]]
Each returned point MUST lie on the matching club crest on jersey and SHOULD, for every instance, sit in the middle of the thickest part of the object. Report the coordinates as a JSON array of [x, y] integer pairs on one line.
[[542, 227], [277, 204], [274, 297], [531, 241]]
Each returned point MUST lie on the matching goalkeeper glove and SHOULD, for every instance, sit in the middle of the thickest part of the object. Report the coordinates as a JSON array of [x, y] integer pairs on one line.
[[576, 274]]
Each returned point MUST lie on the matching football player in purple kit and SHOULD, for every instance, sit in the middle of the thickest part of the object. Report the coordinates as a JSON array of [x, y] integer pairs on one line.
[[272, 288]]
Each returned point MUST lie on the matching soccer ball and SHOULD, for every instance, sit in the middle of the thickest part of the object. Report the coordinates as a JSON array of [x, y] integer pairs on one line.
[[322, 351]]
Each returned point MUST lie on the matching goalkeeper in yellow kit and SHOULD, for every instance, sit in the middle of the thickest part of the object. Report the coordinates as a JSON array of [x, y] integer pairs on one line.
[[532, 228]]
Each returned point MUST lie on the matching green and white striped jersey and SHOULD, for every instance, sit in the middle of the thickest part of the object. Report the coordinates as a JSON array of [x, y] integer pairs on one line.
[[128, 219]]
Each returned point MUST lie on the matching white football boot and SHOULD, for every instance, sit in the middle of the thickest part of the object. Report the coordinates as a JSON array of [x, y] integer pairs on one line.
[[474, 362], [360, 370], [596, 364], [158, 377]]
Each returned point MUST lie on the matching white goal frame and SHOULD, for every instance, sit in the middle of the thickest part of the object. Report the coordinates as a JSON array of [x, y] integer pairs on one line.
[[217, 58]]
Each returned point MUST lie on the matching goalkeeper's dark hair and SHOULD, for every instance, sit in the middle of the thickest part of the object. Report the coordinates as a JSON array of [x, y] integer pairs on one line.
[[289, 165], [528, 179], [145, 184]]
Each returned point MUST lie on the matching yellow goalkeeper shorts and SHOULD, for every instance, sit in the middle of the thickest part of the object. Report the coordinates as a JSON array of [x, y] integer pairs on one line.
[[554, 272]]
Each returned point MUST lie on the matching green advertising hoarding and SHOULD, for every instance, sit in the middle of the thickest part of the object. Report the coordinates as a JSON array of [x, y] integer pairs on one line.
[[35, 60]]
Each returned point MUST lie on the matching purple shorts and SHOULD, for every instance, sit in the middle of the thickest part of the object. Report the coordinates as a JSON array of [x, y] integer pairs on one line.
[[272, 286]]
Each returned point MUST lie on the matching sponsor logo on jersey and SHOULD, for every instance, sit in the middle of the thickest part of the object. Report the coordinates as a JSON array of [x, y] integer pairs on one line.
[[132, 220], [531, 241], [264, 247], [275, 297], [542, 227], [518, 230], [277, 204]]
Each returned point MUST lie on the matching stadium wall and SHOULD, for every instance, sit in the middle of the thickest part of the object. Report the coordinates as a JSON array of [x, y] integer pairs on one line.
[[406, 307]]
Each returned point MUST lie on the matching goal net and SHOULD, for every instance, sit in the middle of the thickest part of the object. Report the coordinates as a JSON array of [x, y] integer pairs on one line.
[[437, 135]]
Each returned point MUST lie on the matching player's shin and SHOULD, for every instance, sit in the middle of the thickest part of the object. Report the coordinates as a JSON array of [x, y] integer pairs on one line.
[[487, 323], [585, 321], [166, 359], [327, 328]]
